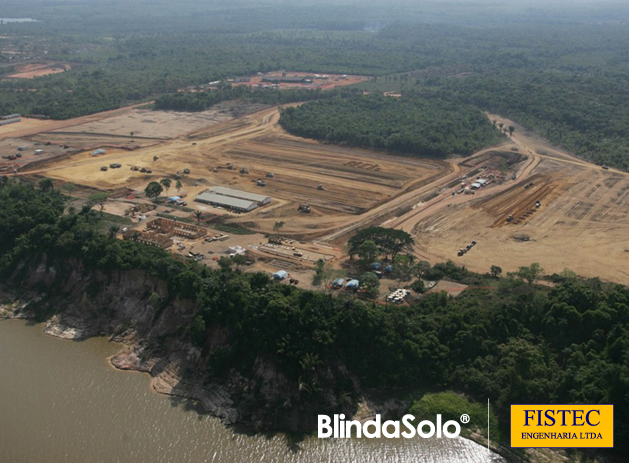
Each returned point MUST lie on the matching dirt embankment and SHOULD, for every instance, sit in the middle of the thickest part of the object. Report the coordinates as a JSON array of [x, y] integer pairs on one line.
[[136, 309]]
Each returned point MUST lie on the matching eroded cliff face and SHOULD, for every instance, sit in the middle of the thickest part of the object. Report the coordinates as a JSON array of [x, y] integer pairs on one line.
[[136, 309]]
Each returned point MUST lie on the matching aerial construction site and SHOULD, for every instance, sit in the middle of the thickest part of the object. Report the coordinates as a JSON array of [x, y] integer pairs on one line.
[[522, 202]]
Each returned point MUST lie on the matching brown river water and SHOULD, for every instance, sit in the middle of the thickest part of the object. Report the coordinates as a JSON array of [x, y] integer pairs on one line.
[[61, 402]]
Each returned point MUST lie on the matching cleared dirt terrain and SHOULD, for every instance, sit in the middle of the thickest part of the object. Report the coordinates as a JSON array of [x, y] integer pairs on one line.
[[352, 181], [324, 82], [582, 222], [148, 127], [30, 71]]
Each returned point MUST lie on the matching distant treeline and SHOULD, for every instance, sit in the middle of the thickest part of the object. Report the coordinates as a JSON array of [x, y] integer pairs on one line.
[[407, 125], [586, 114], [199, 101], [561, 73]]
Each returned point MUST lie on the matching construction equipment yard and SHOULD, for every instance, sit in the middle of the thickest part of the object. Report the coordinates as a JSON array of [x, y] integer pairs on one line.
[[535, 202]]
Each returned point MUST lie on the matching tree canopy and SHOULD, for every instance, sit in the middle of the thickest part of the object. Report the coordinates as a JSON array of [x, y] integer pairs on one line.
[[407, 125], [518, 343], [388, 241]]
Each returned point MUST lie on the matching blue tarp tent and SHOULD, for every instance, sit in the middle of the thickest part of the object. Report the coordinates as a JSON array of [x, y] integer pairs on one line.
[[388, 268], [174, 199], [338, 282], [352, 284], [97, 152], [280, 275], [376, 266]]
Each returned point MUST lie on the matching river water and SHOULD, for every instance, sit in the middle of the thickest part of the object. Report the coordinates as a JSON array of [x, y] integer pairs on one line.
[[61, 402]]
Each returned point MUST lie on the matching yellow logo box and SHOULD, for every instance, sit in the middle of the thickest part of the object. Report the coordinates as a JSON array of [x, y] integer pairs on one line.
[[562, 426]]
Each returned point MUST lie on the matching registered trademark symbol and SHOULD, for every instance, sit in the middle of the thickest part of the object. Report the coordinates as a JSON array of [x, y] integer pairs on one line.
[[465, 419]]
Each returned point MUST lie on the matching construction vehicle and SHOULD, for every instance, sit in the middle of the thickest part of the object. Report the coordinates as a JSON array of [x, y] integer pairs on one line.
[[538, 204], [261, 183], [244, 170], [509, 218], [605, 167], [134, 168], [186, 171], [270, 174], [115, 165], [103, 168], [320, 187], [304, 208], [155, 158]]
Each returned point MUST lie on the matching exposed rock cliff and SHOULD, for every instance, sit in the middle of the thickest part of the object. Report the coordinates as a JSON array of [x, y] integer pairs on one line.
[[136, 309]]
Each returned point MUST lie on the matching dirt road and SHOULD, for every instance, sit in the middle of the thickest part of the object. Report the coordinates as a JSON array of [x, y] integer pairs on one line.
[[582, 223]]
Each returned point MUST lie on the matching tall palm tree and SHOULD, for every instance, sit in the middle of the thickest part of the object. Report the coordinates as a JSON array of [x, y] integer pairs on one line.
[[197, 216], [278, 226], [113, 231], [86, 210]]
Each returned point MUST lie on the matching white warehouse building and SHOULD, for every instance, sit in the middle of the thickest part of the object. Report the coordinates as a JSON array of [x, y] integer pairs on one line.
[[226, 201], [232, 199], [255, 197]]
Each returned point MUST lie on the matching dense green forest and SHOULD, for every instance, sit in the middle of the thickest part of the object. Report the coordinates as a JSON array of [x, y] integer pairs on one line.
[[560, 72], [407, 125], [515, 343], [581, 113]]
